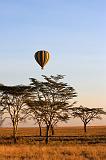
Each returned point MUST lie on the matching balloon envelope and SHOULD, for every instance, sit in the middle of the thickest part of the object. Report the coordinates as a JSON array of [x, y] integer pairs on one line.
[[42, 57]]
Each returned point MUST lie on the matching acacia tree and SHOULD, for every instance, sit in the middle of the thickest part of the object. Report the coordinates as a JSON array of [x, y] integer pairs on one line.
[[34, 113], [87, 114], [51, 100], [12, 101], [1, 112]]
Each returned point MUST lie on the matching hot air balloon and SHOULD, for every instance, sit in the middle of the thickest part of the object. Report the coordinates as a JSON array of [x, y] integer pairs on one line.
[[42, 57]]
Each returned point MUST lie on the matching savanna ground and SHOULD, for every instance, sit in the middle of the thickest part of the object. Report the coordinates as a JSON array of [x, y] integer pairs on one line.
[[68, 143]]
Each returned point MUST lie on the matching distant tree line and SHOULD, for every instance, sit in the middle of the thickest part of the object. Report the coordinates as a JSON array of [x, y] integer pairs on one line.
[[46, 102]]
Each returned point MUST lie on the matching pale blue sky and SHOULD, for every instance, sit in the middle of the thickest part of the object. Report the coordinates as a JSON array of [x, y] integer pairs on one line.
[[73, 31]]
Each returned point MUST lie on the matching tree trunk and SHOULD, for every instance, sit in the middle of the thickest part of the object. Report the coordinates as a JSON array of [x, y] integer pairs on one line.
[[14, 134], [47, 132], [85, 127], [52, 130], [40, 131]]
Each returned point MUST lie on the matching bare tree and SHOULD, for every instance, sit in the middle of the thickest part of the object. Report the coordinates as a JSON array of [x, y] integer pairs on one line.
[[87, 114], [51, 100], [12, 101]]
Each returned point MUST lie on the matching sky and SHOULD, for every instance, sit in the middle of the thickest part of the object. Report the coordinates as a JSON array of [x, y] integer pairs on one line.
[[74, 33]]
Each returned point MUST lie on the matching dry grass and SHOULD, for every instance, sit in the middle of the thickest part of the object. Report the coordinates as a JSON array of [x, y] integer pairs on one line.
[[59, 131], [60, 152], [54, 150]]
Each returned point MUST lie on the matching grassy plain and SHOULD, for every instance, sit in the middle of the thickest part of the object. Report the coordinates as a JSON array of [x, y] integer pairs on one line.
[[59, 131], [56, 150]]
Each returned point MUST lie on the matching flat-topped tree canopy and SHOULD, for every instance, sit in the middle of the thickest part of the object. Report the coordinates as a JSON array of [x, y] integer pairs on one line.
[[14, 90], [12, 102], [87, 114]]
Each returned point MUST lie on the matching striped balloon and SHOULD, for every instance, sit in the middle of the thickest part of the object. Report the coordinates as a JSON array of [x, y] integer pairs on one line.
[[42, 57]]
